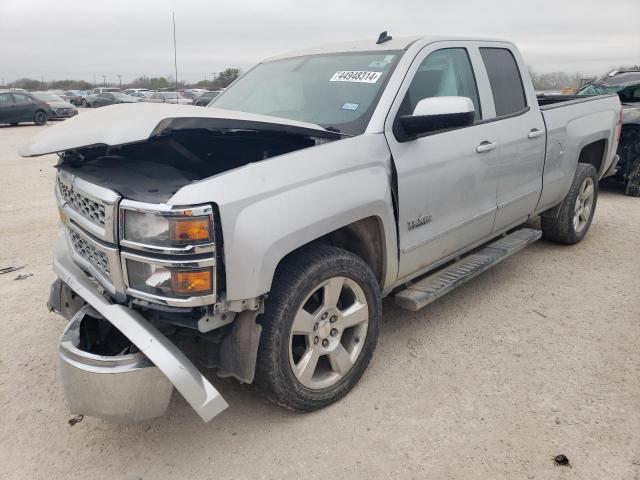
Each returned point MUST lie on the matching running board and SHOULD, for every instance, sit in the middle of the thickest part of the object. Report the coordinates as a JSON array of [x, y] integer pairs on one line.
[[421, 293]]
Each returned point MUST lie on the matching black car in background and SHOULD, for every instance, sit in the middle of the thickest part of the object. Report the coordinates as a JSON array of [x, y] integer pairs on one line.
[[16, 107], [626, 84], [204, 99], [109, 98]]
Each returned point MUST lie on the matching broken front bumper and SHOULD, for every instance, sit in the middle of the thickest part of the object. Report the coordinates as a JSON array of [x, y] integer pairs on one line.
[[111, 382]]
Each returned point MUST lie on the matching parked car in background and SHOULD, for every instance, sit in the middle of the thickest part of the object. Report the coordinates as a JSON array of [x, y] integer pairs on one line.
[[142, 95], [109, 98], [204, 99], [131, 91], [169, 97], [60, 107], [626, 84], [99, 90], [76, 97], [16, 107]]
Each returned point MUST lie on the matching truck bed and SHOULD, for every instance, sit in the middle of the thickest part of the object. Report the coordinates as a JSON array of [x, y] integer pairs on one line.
[[573, 121], [547, 102]]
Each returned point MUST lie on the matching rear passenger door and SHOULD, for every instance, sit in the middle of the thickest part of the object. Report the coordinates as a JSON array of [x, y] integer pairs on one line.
[[520, 136]]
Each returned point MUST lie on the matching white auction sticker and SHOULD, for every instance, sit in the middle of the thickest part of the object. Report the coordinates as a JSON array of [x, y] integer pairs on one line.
[[356, 76]]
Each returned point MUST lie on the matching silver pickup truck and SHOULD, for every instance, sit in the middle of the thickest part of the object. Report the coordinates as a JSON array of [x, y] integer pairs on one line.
[[258, 237]]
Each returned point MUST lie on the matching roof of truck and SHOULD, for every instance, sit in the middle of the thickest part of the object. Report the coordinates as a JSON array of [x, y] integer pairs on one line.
[[370, 45]]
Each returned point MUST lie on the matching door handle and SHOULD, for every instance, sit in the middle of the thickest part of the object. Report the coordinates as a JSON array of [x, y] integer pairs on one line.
[[486, 146], [535, 133]]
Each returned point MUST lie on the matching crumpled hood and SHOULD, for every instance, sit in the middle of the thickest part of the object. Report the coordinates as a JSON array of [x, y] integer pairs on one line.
[[129, 123]]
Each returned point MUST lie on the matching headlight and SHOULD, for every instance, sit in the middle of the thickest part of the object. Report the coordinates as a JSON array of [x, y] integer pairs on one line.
[[174, 230], [147, 276]]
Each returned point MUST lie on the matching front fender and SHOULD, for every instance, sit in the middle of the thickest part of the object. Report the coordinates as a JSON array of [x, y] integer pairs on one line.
[[270, 208]]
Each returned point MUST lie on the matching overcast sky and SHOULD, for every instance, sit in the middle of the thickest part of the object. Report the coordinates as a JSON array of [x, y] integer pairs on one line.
[[81, 38]]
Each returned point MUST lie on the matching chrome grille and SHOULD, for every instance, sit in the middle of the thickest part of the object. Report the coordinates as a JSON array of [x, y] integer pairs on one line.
[[90, 253], [90, 209]]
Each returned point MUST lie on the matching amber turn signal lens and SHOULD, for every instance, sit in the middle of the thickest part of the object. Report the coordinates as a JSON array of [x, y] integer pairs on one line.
[[191, 282], [190, 230]]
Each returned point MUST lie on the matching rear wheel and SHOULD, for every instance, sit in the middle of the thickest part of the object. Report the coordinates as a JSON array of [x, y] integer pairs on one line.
[[575, 214], [40, 117], [320, 328]]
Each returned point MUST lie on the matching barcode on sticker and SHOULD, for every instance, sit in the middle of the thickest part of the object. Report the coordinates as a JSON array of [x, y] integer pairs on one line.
[[356, 76]]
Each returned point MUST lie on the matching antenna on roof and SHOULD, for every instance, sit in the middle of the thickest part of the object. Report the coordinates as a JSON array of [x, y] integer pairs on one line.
[[383, 38]]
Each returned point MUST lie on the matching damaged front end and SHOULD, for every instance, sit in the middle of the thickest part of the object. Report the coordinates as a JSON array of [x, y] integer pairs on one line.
[[110, 377], [142, 281]]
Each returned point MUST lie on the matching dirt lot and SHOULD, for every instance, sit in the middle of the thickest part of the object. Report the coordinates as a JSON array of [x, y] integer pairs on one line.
[[539, 356]]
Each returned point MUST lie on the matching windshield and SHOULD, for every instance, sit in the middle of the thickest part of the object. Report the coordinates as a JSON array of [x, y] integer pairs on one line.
[[337, 91], [47, 97]]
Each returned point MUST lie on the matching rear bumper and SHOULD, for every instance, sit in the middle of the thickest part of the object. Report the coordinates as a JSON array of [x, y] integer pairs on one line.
[[94, 385]]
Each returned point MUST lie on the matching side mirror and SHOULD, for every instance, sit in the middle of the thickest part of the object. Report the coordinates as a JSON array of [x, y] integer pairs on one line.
[[438, 113]]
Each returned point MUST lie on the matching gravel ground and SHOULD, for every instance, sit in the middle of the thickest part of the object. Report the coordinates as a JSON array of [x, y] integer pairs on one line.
[[535, 358]]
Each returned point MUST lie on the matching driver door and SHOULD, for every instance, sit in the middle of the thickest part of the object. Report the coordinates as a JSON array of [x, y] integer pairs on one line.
[[446, 180]]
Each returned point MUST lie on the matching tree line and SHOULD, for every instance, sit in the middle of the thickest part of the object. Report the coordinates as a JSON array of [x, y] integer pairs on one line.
[[222, 80]]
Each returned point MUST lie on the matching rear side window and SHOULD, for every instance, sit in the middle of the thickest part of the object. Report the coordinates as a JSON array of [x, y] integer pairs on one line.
[[505, 80]]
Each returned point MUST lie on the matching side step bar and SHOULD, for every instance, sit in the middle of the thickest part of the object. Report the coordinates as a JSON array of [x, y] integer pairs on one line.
[[421, 293]]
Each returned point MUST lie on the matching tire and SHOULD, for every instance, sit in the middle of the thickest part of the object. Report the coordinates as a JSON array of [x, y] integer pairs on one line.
[[40, 117], [575, 213], [302, 290], [632, 187]]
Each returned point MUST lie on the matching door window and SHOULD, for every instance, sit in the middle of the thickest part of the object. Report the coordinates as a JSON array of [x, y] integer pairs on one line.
[[505, 80], [20, 98], [5, 99], [446, 72]]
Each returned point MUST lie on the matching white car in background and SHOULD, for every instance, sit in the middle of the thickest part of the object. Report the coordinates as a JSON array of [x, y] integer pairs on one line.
[[169, 97]]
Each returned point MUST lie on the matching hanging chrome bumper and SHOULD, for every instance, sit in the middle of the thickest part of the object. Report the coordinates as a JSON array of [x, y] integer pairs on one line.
[[103, 375]]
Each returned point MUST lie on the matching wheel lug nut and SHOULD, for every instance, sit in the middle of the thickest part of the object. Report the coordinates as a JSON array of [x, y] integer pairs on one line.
[[356, 340], [315, 340], [334, 332], [315, 327], [333, 318], [325, 315], [325, 343]]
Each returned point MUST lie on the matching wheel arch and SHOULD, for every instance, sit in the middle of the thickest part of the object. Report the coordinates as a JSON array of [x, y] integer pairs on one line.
[[593, 153], [364, 238]]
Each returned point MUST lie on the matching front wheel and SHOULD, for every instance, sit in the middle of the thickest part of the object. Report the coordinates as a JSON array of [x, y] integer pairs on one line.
[[320, 328], [575, 213], [40, 118]]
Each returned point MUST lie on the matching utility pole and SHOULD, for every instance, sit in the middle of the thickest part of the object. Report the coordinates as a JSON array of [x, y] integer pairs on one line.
[[104, 80], [175, 52], [120, 80], [94, 80], [213, 78]]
